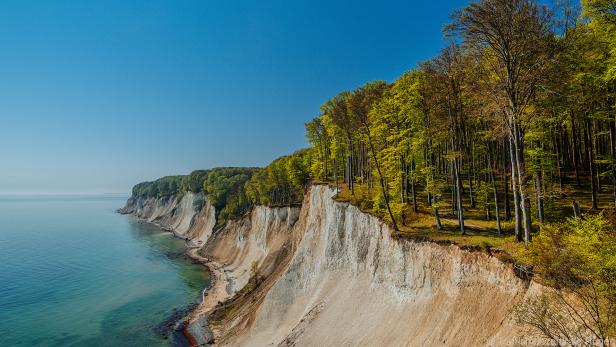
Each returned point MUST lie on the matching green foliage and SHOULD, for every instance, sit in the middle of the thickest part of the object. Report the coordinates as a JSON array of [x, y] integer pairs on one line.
[[224, 188], [396, 119], [578, 259], [162, 187], [282, 182], [485, 244], [193, 182], [577, 253], [171, 185], [484, 197], [603, 11], [317, 135], [602, 15]]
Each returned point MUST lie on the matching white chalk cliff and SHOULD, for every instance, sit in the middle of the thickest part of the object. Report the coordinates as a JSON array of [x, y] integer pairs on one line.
[[331, 275]]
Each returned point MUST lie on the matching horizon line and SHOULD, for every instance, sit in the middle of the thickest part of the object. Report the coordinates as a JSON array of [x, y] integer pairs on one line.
[[61, 193]]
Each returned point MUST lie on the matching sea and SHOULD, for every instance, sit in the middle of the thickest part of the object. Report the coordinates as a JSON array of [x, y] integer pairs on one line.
[[74, 272]]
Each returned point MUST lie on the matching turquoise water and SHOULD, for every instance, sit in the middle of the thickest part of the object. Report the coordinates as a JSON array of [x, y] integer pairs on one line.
[[75, 273]]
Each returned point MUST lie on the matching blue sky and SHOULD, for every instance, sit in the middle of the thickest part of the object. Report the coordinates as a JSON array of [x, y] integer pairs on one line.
[[96, 96]]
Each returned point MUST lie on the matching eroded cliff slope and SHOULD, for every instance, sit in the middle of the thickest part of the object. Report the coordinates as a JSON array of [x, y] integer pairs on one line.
[[327, 274], [190, 216]]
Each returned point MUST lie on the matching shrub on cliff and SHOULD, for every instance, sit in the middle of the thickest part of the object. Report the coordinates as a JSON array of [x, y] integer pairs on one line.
[[577, 259]]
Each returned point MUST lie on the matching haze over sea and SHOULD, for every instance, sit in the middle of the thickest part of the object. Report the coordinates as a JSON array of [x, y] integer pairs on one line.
[[75, 273]]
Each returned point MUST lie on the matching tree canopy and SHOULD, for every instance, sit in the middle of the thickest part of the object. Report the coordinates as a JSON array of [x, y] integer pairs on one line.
[[282, 182]]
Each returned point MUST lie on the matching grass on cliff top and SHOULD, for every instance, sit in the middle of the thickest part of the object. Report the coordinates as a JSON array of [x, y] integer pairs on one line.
[[481, 233]]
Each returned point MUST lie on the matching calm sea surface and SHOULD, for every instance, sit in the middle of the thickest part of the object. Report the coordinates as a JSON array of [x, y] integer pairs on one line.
[[75, 273]]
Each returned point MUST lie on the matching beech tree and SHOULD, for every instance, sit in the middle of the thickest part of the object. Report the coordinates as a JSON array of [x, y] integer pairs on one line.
[[360, 102], [446, 74], [513, 38]]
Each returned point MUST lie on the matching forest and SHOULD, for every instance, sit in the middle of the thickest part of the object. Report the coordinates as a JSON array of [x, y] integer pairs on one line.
[[512, 121], [505, 140], [509, 127]]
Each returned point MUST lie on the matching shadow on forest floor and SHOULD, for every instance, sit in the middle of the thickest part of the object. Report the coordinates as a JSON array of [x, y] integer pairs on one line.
[[481, 232]]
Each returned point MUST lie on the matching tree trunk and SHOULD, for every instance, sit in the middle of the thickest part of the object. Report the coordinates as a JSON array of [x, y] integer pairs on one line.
[[576, 151], [403, 182], [488, 212], [558, 163], [576, 209], [414, 196], [459, 195], [594, 150], [519, 165], [470, 189], [506, 198], [454, 190], [539, 198], [349, 165], [437, 217], [516, 193], [591, 166], [495, 193], [507, 206], [336, 176], [613, 157]]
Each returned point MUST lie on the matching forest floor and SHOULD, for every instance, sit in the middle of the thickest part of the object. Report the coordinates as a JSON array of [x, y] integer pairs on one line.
[[481, 232]]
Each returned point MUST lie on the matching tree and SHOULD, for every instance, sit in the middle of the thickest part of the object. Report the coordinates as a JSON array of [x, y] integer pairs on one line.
[[193, 182], [513, 37], [317, 135], [396, 127], [601, 66], [337, 111], [282, 182], [359, 104], [601, 10], [446, 74], [224, 188]]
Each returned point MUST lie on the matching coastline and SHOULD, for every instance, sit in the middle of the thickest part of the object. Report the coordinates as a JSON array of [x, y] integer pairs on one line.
[[216, 292], [211, 295], [351, 241]]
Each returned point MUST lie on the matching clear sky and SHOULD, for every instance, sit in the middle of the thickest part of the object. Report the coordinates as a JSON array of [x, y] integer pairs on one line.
[[96, 96]]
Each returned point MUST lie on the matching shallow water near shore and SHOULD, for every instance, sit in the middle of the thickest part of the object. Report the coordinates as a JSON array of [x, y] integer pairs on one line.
[[75, 273]]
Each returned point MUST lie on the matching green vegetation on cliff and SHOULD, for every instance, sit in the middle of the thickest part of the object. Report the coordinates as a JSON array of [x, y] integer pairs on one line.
[[193, 182], [162, 187], [509, 128], [577, 258], [283, 182], [224, 188], [504, 131]]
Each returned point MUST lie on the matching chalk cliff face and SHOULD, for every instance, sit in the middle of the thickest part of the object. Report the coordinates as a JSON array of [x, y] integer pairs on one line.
[[191, 216], [328, 274], [257, 239]]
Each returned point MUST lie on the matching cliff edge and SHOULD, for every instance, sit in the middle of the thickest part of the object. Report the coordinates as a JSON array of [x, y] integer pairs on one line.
[[327, 274]]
